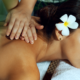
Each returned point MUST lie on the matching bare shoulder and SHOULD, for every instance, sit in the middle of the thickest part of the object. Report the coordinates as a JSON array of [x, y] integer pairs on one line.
[[74, 59], [21, 64], [5, 42]]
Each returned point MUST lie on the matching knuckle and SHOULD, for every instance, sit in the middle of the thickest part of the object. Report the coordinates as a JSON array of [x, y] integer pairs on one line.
[[34, 34], [33, 27], [20, 30], [27, 23], [14, 30], [18, 33], [29, 28], [10, 27], [9, 30], [24, 31], [22, 23], [30, 36], [13, 33], [16, 24], [25, 28]]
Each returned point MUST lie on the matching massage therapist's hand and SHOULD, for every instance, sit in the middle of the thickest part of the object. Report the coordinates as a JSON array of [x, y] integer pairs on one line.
[[31, 34], [17, 20]]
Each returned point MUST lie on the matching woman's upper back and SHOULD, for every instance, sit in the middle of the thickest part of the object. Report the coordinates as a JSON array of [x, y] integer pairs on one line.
[[36, 49]]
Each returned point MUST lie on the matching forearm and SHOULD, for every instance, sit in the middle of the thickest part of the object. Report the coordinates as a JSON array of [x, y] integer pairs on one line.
[[10, 4], [28, 4]]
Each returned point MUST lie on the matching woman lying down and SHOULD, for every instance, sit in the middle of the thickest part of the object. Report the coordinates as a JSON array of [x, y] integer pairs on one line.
[[60, 39]]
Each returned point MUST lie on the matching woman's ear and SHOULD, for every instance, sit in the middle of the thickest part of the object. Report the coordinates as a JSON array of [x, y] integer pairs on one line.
[[59, 36]]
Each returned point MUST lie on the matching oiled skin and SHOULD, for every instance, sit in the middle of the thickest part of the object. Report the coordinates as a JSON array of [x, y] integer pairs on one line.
[[18, 59]]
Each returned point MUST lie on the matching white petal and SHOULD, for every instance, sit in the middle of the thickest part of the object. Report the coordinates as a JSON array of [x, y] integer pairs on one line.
[[60, 26], [75, 25], [71, 19], [65, 31], [64, 18]]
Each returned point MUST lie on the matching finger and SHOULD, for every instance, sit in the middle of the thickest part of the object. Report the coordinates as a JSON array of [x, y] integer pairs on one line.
[[26, 38], [10, 26], [15, 29], [38, 26], [19, 30], [29, 33], [7, 19], [22, 38], [33, 30], [25, 29]]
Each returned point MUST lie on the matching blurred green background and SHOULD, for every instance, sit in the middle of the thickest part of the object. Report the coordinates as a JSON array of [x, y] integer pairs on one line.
[[3, 11]]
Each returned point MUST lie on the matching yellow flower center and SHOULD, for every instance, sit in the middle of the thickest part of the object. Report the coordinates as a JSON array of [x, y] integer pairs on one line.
[[66, 24]]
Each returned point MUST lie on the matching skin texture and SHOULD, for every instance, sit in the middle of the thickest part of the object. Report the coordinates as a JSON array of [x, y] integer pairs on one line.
[[19, 19], [18, 59]]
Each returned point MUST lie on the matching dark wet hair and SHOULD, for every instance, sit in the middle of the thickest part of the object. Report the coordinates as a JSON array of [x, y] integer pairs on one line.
[[50, 15]]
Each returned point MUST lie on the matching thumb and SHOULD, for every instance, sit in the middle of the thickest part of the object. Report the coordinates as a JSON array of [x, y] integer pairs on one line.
[[38, 26], [7, 20]]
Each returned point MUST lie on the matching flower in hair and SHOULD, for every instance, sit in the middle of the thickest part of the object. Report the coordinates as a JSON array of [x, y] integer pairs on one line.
[[67, 22]]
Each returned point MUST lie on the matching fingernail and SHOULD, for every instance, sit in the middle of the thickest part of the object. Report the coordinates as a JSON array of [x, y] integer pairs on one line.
[[32, 42], [27, 41], [11, 38], [7, 34], [16, 37], [35, 38]]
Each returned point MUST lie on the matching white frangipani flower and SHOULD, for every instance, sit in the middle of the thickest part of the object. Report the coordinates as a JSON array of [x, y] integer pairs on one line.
[[68, 22]]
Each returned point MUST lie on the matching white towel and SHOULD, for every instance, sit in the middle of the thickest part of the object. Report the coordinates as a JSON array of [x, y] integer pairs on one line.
[[43, 66], [65, 71]]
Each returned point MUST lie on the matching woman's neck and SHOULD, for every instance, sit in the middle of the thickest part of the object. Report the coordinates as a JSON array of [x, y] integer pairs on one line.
[[52, 49]]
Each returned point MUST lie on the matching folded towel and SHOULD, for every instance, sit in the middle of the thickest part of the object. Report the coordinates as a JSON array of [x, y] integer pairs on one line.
[[65, 71], [43, 66]]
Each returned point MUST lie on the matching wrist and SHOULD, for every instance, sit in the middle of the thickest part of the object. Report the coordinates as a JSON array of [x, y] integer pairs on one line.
[[25, 9], [27, 5]]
